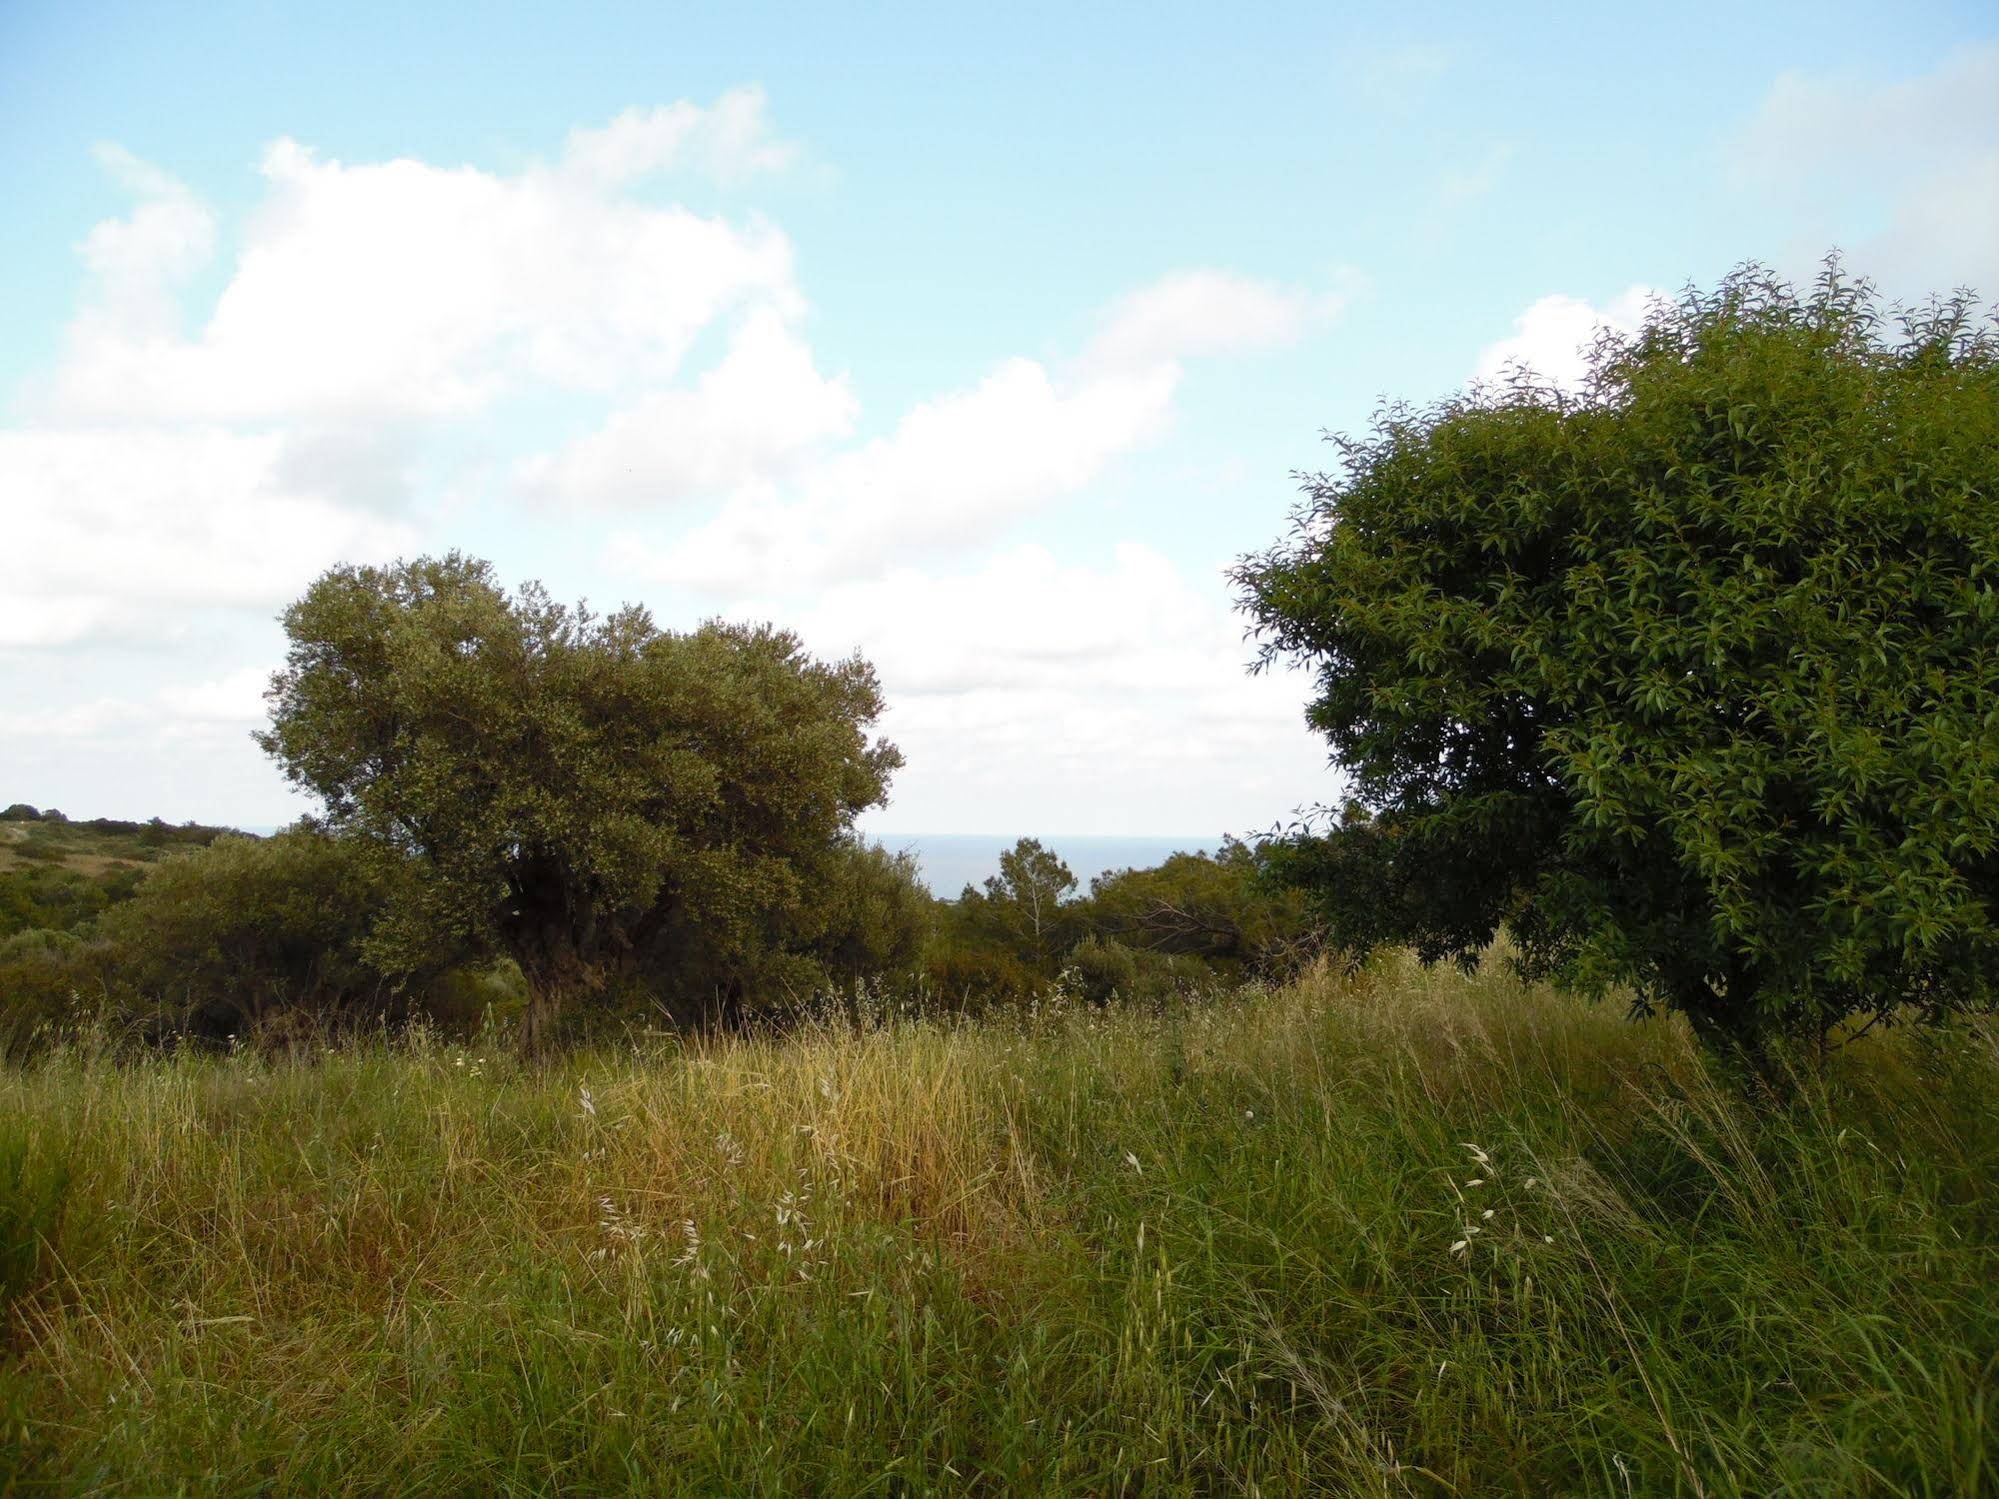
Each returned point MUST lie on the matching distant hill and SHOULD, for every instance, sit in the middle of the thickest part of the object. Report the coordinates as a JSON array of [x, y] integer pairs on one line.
[[57, 874]]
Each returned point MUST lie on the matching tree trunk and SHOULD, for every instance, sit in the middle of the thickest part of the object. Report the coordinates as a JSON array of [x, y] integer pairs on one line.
[[552, 977], [1732, 1038], [537, 1028]]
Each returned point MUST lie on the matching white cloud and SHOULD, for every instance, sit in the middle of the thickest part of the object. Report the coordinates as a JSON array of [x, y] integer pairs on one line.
[[1551, 337], [122, 533], [369, 314], [1905, 174], [138, 264], [225, 707], [749, 420], [953, 471], [399, 290], [729, 140], [958, 468], [1193, 313]]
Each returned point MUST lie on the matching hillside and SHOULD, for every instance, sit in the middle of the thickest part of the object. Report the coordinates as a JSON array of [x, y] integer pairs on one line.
[[57, 874]]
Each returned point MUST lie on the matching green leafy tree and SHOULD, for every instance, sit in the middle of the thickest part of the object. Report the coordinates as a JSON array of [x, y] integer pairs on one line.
[[875, 914], [1221, 908], [592, 796], [1690, 679], [1022, 907]]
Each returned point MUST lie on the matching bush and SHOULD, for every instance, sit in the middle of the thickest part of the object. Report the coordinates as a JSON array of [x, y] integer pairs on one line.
[[45, 978], [218, 942], [1104, 968], [962, 977], [875, 912]]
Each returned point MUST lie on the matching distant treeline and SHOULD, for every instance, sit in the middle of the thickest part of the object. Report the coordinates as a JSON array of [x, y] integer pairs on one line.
[[155, 832], [196, 934]]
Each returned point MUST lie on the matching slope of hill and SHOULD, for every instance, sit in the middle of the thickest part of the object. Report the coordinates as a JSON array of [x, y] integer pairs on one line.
[[58, 874]]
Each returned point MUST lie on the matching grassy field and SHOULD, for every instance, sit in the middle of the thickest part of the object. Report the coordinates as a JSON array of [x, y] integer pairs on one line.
[[1409, 1233]]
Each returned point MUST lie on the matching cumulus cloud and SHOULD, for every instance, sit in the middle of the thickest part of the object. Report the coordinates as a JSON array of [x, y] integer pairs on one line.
[[749, 421], [956, 469], [122, 532], [399, 290], [1919, 157], [1550, 338], [952, 472], [215, 708], [370, 313]]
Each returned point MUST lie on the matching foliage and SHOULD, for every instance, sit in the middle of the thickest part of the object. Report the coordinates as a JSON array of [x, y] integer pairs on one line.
[[1687, 679], [961, 974], [58, 899], [1021, 909], [1104, 969], [45, 978], [60, 875], [219, 941], [1221, 908], [875, 914], [1181, 1249], [1187, 922], [595, 797]]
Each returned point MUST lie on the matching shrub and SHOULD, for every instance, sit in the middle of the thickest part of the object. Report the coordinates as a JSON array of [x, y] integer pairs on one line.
[[1105, 969], [219, 941]]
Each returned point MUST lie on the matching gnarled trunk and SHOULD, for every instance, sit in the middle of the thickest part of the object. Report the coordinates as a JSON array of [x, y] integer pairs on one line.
[[554, 976]]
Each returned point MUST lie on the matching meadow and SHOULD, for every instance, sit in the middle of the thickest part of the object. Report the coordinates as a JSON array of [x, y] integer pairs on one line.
[[1401, 1232]]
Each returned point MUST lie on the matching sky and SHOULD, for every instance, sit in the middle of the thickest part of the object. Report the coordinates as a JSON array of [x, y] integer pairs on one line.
[[980, 340]]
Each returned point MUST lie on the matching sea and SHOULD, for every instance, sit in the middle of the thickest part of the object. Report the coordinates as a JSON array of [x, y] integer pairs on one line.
[[949, 862]]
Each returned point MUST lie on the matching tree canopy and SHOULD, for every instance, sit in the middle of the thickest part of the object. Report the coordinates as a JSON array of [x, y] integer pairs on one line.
[[1689, 678], [589, 794]]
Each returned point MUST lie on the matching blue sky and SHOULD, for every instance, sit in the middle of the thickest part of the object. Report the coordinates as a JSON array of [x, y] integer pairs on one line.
[[979, 342]]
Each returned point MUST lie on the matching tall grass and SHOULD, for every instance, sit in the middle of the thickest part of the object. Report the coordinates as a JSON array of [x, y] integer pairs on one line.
[[1409, 1233]]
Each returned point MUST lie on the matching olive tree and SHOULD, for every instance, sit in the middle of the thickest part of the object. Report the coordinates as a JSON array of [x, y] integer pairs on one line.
[[591, 795], [1689, 678]]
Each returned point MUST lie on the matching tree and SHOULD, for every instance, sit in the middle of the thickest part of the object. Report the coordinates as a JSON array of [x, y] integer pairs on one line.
[[1222, 909], [875, 912], [1022, 904], [1688, 678], [591, 795]]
